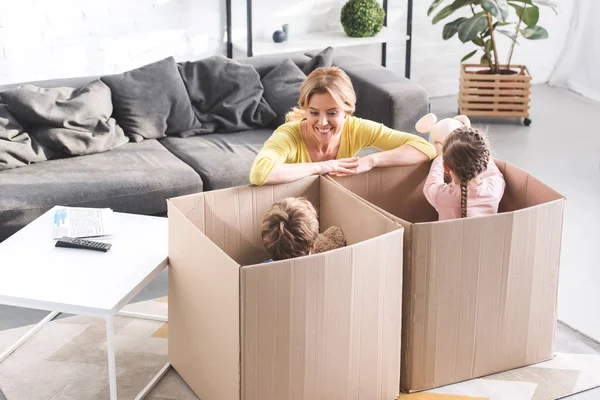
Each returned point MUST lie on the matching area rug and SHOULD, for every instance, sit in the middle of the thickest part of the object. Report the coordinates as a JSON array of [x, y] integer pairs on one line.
[[67, 360], [564, 375]]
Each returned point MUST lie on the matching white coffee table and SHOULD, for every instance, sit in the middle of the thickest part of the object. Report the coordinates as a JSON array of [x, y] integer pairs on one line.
[[35, 274]]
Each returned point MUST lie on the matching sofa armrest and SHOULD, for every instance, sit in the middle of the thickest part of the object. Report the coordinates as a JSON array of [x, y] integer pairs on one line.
[[383, 95]]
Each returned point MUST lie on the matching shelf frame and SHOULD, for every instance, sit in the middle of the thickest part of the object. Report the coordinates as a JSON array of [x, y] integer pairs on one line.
[[249, 40]]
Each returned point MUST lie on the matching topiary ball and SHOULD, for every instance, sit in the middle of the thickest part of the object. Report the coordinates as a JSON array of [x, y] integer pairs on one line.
[[362, 18]]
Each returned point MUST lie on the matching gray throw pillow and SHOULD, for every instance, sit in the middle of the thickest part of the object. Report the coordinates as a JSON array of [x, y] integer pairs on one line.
[[151, 102], [322, 59], [282, 88], [225, 95]]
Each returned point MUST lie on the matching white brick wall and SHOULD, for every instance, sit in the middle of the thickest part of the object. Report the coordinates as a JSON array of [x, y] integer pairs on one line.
[[42, 39]]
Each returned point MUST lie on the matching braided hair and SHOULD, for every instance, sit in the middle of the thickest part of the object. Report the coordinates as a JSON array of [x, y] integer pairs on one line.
[[290, 228], [466, 154]]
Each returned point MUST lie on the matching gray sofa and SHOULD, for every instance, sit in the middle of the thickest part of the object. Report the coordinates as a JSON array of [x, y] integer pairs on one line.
[[139, 177]]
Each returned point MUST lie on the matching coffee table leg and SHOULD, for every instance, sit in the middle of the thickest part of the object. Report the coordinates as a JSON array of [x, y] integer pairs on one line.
[[29, 334], [110, 347]]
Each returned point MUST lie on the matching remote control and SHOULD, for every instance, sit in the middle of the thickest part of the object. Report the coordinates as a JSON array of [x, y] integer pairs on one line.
[[82, 244]]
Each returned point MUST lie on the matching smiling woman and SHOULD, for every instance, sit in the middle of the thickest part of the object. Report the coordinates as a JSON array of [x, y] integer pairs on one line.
[[321, 136]]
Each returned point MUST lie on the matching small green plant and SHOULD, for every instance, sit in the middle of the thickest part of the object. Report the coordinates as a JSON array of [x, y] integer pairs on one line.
[[362, 18], [489, 17]]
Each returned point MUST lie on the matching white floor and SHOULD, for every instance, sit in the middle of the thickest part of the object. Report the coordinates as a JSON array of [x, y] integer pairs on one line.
[[562, 148]]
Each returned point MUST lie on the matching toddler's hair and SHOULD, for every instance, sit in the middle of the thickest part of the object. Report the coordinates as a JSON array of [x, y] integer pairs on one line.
[[289, 229], [466, 153]]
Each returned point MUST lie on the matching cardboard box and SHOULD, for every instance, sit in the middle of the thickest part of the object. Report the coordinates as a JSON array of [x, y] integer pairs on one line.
[[323, 326], [479, 293]]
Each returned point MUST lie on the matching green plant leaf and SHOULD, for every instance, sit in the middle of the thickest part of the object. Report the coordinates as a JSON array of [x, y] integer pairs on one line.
[[498, 8], [433, 6], [451, 28], [471, 27], [461, 3], [530, 15], [509, 34], [444, 12], [534, 33], [448, 10], [478, 41], [488, 45], [485, 60], [471, 54], [553, 4]]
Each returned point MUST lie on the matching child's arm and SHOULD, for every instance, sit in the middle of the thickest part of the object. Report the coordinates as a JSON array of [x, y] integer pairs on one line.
[[495, 179], [435, 181]]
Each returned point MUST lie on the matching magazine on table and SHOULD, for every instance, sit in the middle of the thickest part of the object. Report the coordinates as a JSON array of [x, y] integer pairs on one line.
[[81, 222]]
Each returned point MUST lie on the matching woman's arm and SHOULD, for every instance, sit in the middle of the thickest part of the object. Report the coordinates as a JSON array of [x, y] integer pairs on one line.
[[278, 161], [403, 155], [282, 173], [398, 148]]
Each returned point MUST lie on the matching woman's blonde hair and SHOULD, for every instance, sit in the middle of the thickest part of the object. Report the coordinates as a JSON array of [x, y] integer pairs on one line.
[[290, 228], [466, 153], [322, 80]]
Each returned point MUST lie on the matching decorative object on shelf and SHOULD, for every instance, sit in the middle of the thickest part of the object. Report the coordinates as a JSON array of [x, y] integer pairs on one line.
[[309, 41], [279, 36], [491, 88], [286, 30], [362, 18]]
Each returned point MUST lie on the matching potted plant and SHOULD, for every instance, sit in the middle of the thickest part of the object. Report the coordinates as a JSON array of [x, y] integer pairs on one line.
[[491, 88]]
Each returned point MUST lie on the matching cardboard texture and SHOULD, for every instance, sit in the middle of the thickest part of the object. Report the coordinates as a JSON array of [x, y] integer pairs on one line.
[[479, 293], [323, 326]]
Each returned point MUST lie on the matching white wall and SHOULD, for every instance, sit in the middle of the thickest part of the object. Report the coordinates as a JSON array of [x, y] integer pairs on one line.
[[42, 39]]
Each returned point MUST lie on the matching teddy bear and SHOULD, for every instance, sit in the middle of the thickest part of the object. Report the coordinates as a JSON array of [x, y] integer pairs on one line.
[[439, 130], [333, 238]]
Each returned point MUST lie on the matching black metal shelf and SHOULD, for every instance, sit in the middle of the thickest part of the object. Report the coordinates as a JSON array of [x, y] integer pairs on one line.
[[249, 35]]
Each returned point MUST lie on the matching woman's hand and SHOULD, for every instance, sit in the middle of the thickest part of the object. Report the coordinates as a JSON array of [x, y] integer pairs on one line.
[[364, 164], [346, 166]]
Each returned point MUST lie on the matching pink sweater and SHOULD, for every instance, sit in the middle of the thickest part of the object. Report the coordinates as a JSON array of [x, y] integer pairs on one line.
[[482, 199]]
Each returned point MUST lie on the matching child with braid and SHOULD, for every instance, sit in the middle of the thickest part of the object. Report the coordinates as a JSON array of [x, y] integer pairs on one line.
[[477, 184]]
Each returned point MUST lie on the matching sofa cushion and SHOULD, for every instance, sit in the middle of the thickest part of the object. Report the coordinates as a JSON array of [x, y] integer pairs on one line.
[[282, 89], [221, 160], [136, 178], [151, 101], [323, 58], [226, 96], [265, 64]]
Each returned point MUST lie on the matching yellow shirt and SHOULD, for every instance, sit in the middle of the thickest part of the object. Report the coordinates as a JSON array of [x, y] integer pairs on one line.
[[287, 146]]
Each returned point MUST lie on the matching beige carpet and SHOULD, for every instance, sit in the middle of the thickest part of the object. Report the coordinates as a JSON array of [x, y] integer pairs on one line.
[[67, 360]]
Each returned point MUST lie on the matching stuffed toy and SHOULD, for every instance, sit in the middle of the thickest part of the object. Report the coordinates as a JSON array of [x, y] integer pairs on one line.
[[439, 130], [333, 238]]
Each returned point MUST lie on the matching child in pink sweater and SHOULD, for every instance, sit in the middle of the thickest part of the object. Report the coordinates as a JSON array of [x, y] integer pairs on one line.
[[477, 184]]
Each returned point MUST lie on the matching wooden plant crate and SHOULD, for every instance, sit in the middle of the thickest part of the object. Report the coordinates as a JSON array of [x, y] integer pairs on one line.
[[494, 95]]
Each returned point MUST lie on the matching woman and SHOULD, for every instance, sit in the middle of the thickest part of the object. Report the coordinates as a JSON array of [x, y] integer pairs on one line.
[[322, 136]]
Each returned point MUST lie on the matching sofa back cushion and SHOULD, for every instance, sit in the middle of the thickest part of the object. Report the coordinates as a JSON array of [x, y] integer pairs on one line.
[[226, 96], [151, 102]]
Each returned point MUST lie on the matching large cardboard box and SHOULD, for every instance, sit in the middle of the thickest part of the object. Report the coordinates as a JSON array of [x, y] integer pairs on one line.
[[479, 293], [324, 326]]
